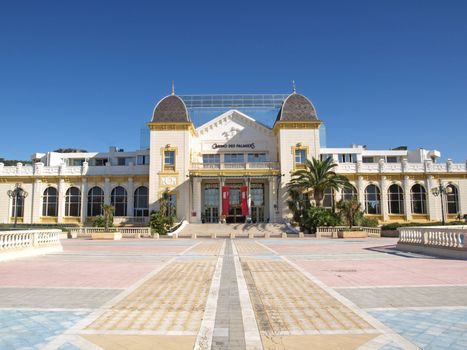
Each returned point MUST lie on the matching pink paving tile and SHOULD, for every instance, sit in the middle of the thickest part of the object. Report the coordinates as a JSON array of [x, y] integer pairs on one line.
[[142, 248], [98, 274], [387, 272], [328, 248]]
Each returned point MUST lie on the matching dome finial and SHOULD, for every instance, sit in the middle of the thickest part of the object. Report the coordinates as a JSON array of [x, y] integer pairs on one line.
[[173, 88], [294, 90]]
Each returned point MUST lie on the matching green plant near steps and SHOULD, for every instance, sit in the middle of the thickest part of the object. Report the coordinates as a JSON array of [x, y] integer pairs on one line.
[[318, 216], [297, 203], [318, 176], [160, 221]]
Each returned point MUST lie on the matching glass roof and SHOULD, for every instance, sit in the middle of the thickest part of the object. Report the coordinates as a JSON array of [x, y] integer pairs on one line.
[[234, 101]]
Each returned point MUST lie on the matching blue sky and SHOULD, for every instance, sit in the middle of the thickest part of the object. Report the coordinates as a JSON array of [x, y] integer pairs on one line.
[[87, 74]]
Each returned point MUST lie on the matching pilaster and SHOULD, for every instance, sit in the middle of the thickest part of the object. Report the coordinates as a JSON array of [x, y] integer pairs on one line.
[[407, 204], [384, 197]]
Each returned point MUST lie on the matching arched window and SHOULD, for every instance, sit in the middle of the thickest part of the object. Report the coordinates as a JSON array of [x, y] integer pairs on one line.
[[50, 202], [73, 202], [328, 199], [118, 199], [452, 200], [17, 207], [349, 193], [95, 201], [141, 201], [418, 199], [372, 200], [396, 199]]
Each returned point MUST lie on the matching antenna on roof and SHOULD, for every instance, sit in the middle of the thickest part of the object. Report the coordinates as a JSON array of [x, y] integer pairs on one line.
[[294, 90], [173, 88]]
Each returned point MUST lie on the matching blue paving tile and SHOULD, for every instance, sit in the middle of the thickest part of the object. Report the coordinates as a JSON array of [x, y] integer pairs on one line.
[[33, 329], [428, 329]]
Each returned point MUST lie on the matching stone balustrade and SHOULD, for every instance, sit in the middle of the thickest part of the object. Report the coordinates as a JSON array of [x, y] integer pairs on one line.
[[434, 240], [22, 243], [331, 231], [127, 232]]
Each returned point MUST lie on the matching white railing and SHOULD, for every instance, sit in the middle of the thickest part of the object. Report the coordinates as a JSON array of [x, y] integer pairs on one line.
[[248, 165], [331, 231], [441, 237], [127, 232], [131, 220], [28, 239]]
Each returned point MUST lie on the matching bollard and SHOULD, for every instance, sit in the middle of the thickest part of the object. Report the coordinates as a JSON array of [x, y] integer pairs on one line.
[[213, 235], [301, 234], [251, 235], [284, 234], [156, 236], [193, 235], [175, 236], [267, 235], [232, 235]]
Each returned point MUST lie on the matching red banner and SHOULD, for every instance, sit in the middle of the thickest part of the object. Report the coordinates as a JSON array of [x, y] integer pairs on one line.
[[225, 200], [244, 200]]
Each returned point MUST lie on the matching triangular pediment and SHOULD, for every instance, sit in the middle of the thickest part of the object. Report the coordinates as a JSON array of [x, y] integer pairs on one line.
[[232, 123]]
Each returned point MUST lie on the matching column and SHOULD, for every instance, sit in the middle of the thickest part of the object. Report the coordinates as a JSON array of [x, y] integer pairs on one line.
[[107, 191], [431, 200], [384, 198], [61, 201], [84, 200], [196, 200], [407, 205], [131, 197], [36, 201], [273, 206], [248, 184], [361, 192], [221, 183]]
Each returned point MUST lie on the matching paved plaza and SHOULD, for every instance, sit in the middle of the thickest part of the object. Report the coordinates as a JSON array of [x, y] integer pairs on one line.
[[233, 294]]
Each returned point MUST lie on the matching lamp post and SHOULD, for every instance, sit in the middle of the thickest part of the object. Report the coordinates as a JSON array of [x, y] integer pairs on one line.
[[16, 194], [441, 191]]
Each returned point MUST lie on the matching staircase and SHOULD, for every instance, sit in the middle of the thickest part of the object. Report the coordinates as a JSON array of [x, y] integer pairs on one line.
[[264, 230]]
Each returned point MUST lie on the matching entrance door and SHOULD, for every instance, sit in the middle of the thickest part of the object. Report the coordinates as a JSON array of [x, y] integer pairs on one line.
[[257, 202], [235, 208], [211, 203]]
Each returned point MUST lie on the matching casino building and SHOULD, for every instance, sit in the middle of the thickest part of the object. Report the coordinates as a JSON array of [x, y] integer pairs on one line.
[[231, 167]]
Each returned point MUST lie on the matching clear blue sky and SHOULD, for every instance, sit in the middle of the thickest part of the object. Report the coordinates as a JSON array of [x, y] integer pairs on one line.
[[87, 74]]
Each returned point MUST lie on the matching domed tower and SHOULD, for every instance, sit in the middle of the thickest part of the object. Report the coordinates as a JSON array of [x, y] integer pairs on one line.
[[297, 131], [171, 131]]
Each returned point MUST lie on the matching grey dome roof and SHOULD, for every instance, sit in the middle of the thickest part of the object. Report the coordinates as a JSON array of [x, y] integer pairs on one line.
[[171, 109], [297, 107]]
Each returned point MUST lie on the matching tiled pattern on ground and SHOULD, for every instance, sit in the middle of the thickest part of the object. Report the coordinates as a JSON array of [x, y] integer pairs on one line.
[[172, 300], [55, 298], [207, 247], [33, 329], [407, 296], [286, 302], [429, 328], [246, 247]]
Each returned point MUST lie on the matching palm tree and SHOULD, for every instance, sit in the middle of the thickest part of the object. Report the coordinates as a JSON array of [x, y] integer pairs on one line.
[[349, 209], [108, 215], [317, 176]]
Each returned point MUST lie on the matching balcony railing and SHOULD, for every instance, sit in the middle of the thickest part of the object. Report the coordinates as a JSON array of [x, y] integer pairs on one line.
[[248, 165]]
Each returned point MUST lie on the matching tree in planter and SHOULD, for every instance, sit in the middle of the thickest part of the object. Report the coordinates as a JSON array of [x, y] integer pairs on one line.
[[349, 209], [296, 204], [317, 176], [107, 219]]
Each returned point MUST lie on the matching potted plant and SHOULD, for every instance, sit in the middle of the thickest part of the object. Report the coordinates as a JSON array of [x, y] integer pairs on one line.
[[106, 221], [349, 209]]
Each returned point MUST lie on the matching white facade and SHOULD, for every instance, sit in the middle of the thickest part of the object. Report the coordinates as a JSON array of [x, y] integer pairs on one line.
[[230, 152]]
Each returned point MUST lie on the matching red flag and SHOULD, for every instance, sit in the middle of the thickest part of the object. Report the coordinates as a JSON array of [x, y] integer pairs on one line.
[[244, 200], [225, 200]]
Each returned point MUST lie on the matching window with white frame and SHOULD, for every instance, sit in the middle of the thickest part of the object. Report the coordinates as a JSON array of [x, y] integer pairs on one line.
[[234, 158], [300, 156], [95, 201], [73, 202], [141, 201], [452, 200], [372, 200], [119, 200], [395, 199], [256, 157], [418, 199], [50, 202], [211, 159]]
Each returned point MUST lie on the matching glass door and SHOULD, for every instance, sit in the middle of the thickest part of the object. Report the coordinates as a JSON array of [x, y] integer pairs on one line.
[[257, 202], [235, 209], [211, 203]]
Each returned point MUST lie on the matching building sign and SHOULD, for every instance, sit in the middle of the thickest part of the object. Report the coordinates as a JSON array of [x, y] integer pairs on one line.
[[233, 145]]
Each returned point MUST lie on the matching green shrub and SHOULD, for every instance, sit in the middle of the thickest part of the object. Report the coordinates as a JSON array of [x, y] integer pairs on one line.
[[369, 222], [98, 221], [161, 223], [318, 216]]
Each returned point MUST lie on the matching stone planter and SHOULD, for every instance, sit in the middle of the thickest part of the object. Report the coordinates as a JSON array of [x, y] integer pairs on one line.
[[351, 234], [114, 236]]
